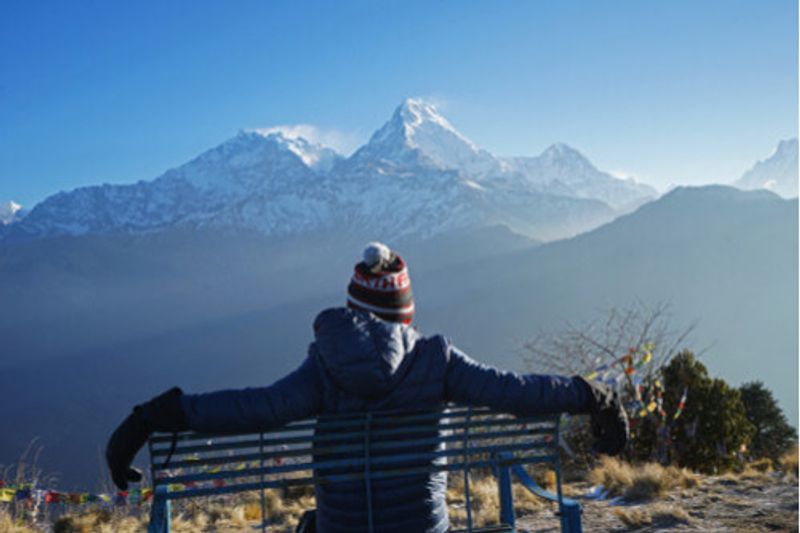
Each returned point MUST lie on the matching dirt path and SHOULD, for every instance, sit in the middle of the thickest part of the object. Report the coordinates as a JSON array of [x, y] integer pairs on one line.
[[767, 502]]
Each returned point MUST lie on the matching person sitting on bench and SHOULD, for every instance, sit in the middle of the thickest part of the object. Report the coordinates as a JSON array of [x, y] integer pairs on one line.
[[368, 357]]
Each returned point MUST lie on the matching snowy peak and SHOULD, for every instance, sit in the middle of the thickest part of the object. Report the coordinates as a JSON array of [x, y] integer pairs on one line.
[[417, 134], [290, 138], [561, 169], [786, 148], [414, 115], [567, 158], [778, 173], [10, 212], [255, 160], [561, 152]]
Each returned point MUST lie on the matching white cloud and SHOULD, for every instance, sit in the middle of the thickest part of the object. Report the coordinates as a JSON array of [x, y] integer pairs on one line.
[[344, 142], [629, 175]]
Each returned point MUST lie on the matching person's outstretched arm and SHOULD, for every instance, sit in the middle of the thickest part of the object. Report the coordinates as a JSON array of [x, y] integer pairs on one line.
[[296, 396], [471, 383]]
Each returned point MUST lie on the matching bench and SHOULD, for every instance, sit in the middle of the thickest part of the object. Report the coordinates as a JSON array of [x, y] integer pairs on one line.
[[363, 447]]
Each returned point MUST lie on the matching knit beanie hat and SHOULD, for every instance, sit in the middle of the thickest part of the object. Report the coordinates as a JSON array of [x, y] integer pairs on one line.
[[380, 285]]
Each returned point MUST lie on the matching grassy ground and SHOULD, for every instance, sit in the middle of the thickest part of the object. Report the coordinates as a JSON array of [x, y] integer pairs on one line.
[[653, 498]]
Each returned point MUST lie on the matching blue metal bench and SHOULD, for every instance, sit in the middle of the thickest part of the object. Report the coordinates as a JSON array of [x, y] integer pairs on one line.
[[362, 447]]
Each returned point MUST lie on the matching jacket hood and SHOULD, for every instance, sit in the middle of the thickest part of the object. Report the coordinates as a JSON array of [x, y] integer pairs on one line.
[[363, 354]]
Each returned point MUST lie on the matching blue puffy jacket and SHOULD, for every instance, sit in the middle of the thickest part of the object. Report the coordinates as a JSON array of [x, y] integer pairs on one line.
[[361, 363]]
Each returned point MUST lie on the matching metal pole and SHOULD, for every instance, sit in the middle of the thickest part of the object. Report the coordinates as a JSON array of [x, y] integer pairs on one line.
[[261, 465], [465, 449], [367, 478]]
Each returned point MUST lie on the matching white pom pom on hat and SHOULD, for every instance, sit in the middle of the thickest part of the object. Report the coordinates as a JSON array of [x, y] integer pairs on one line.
[[377, 252]]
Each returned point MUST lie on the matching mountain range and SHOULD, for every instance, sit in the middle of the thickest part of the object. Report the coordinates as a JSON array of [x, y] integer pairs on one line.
[[417, 176]]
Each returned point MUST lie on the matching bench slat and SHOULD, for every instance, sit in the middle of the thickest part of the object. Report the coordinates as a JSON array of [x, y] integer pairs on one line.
[[375, 462], [336, 478], [377, 434], [351, 448], [338, 421]]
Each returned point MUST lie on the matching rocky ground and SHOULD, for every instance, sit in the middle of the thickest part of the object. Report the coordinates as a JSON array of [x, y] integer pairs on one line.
[[765, 502]]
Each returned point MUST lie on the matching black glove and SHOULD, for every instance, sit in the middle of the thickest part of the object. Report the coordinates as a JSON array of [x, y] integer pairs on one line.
[[609, 419], [162, 413]]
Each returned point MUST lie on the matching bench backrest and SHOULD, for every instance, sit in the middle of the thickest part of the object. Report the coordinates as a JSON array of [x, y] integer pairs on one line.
[[365, 446]]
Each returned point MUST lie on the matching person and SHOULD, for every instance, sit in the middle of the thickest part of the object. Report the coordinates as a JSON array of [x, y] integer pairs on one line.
[[367, 357]]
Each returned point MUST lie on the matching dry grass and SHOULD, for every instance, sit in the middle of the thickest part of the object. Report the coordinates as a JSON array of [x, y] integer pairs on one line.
[[486, 501], [758, 471], [762, 465], [640, 482], [231, 513], [662, 516], [283, 508], [99, 521], [788, 462], [9, 525], [239, 513]]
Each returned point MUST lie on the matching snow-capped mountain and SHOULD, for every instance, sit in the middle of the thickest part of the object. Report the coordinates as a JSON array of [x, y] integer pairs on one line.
[[417, 175], [10, 212], [251, 166], [778, 173], [561, 169], [418, 135]]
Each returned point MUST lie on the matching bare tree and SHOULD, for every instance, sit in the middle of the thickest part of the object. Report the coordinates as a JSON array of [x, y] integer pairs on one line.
[[581, 348], [627, 346]]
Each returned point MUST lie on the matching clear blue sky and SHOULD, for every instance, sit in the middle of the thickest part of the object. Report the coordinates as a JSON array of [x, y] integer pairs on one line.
[[671, 91]]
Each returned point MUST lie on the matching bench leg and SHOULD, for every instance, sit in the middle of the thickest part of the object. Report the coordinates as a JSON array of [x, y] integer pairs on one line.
[[506, 496], [571, 518], [159, 512]]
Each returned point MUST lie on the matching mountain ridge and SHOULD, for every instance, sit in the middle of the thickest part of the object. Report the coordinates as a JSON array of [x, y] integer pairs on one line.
[[417, 168]]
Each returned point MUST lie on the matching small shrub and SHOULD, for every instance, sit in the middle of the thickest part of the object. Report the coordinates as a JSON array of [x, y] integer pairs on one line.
[[634, 518], [660, 516], [644, 482], [762, 465]]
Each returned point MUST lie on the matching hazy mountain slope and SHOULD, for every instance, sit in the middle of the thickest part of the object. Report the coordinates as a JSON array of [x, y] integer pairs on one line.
[[101, 321], [724, 257], [777, 173]]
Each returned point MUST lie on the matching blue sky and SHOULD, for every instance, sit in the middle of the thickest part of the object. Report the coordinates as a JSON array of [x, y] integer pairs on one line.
[[684, 92]]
